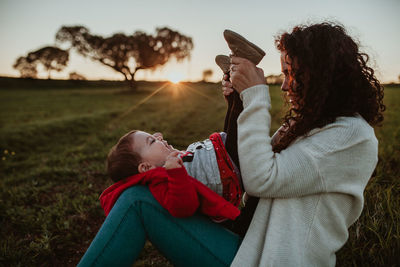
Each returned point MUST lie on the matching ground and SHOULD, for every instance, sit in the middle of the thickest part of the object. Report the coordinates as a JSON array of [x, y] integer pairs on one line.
[[54, 140]]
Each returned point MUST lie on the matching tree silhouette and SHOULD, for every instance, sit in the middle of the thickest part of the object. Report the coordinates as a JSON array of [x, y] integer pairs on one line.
[[127, 54], [76, 76], [207, 74], [275, 79], [26, 69], [51, 58]]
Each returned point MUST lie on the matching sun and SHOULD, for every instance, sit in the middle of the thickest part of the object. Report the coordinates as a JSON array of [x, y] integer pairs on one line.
[[175, 77]]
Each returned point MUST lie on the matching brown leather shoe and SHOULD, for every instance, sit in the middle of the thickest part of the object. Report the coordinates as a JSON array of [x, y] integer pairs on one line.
[[241, 47], [223, 62]]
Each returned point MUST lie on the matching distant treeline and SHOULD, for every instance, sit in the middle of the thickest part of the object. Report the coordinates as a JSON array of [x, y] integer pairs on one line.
[[29, 83]]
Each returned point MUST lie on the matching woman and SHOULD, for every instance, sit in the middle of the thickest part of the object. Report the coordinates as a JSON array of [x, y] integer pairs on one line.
[[309, 177]]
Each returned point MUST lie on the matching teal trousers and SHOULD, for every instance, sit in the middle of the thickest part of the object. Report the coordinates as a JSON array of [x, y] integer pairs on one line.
[[193, 241]]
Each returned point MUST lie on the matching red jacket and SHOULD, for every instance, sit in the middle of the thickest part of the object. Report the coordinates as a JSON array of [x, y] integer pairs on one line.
[[176, 191]]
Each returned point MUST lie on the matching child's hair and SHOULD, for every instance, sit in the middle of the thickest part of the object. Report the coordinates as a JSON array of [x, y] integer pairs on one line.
[[122, 161]]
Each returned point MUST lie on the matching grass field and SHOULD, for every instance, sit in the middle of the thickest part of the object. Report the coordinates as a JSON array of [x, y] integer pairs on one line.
[[54, 141]]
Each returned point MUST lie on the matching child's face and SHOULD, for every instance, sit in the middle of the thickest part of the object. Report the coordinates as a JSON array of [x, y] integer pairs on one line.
[[153, 149]]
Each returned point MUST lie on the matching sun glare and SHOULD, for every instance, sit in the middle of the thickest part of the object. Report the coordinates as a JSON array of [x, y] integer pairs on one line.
[[175, 77]]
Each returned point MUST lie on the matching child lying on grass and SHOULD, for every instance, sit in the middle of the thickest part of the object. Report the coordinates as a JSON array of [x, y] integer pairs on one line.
[[142, 158]]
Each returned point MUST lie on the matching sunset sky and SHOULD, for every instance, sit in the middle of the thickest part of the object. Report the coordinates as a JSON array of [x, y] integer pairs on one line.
[[31, 24]]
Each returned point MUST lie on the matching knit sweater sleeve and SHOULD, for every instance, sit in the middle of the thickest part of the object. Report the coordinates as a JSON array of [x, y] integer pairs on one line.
[[302, 168]]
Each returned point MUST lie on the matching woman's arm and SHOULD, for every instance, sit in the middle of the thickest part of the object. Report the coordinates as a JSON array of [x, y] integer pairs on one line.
[[327, 161], [265, 173], [340, 157]]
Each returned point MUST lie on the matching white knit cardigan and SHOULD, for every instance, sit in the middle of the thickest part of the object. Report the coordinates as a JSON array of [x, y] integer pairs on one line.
[[310, 193]]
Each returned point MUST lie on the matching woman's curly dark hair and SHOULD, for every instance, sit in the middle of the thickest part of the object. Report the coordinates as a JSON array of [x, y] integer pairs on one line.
[[329, 78]]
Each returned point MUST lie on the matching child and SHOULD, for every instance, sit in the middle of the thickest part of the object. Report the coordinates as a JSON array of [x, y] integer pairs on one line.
[[207, 161], [149, 159]]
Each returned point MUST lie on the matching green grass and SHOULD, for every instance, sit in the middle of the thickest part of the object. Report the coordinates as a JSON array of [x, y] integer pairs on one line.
[[53, 144]]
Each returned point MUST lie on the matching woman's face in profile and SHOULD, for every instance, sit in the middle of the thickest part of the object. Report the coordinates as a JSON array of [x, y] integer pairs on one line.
[[286, 70]]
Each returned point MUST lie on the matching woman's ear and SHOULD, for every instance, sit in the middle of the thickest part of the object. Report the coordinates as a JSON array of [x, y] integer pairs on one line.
[[144, 167]]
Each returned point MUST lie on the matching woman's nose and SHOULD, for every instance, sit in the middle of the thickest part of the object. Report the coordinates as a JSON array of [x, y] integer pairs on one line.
[[284, 86]]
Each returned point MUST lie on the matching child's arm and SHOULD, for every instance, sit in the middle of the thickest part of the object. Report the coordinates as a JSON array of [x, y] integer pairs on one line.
[[178, 194], [182, 199], [235, 107]]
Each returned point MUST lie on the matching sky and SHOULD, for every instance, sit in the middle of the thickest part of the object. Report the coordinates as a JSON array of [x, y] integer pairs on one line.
[[27, 25]]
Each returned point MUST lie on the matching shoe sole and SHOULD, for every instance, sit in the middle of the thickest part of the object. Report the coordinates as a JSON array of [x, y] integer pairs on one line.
[[223, 62], [242, 47]]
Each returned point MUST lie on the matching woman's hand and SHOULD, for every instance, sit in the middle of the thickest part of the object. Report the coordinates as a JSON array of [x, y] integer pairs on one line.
[[244, 74], [173, 161], [227, 87]]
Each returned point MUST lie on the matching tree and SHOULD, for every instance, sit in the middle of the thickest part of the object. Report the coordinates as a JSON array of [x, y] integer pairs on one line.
[[275, 79], [127, 54], [51, 58], [207, 74], [76, 76], [26, 69]]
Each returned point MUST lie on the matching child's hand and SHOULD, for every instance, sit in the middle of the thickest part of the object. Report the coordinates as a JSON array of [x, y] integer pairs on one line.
[[173, 161]]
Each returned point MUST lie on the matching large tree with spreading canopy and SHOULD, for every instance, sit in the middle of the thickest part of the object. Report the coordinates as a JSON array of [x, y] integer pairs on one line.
[[127, 54]]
